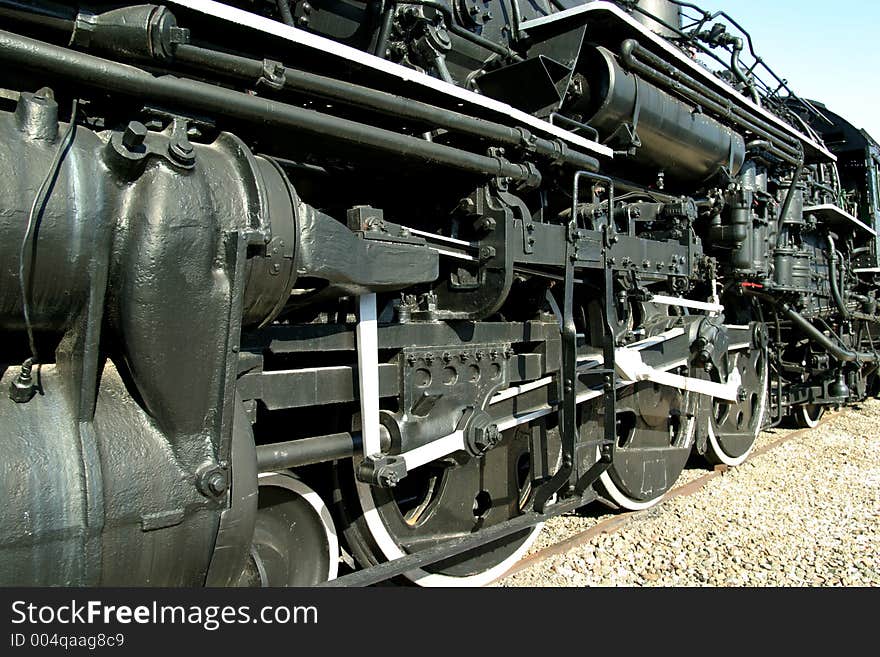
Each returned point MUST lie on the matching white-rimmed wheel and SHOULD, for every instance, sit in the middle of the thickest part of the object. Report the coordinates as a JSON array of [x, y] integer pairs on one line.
[[733, 427], [447, 499], [295, 542], [808, 416], [654, 431]]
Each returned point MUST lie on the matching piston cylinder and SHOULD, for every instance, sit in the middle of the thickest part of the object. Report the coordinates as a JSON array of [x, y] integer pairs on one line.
[[142, 257]]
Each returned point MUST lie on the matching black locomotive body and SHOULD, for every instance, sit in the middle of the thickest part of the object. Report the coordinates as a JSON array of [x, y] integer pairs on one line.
[[295, 286]]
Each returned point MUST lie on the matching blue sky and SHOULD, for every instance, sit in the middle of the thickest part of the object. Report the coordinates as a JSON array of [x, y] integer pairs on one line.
[[828, 50]]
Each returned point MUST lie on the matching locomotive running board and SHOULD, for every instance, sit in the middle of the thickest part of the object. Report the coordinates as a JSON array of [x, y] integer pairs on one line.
[[328, 46]]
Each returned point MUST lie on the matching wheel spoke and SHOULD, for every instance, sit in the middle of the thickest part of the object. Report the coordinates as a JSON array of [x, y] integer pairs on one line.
[[294, 540], [733, 427]]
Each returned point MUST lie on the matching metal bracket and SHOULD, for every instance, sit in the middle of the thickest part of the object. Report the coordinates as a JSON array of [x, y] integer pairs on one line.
[[273, 75], [382, 470]]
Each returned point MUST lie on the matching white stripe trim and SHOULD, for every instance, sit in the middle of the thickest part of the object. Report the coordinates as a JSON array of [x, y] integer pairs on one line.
[[288, 482], [295, 35], [452, 254], [692, 66], [515, 391], [687, 303], [440, 238], [436, 449]]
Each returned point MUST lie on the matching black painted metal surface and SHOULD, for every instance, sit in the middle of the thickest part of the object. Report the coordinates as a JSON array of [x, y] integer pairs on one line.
[[192, 207]]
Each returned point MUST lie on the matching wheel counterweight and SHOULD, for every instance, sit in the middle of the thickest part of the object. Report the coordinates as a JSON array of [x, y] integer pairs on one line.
[[446, 499], [655, 427]]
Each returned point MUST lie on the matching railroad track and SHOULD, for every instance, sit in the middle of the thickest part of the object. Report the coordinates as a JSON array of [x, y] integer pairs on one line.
[[617, 522]]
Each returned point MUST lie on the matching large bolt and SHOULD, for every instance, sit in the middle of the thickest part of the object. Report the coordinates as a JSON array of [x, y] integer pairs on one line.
[[485, 438], [217, 482], [22, 388], [213, 482], [134, 135], [181, 151], [388, 478]]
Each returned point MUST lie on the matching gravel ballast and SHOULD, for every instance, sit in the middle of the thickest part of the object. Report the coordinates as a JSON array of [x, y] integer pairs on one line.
[[805, 513]]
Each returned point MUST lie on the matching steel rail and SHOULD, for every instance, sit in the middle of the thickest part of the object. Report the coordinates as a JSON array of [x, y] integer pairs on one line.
[[617, 522]]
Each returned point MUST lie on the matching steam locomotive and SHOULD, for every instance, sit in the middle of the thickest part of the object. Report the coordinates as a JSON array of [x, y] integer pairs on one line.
[[345, 291]]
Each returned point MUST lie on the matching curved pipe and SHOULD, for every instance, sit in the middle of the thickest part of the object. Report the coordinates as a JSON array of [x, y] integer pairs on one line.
[[833, 283], [789, 198], [840, 353], [736, 67]]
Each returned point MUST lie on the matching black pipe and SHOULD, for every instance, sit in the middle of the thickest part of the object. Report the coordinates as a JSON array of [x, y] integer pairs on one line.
[[840, 353], [284, 12], [190, 95], [316, 449], [385, 30], [251, 70], [789, 199], [307, 451], [740, 74], [49, 15], [832, 280]]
